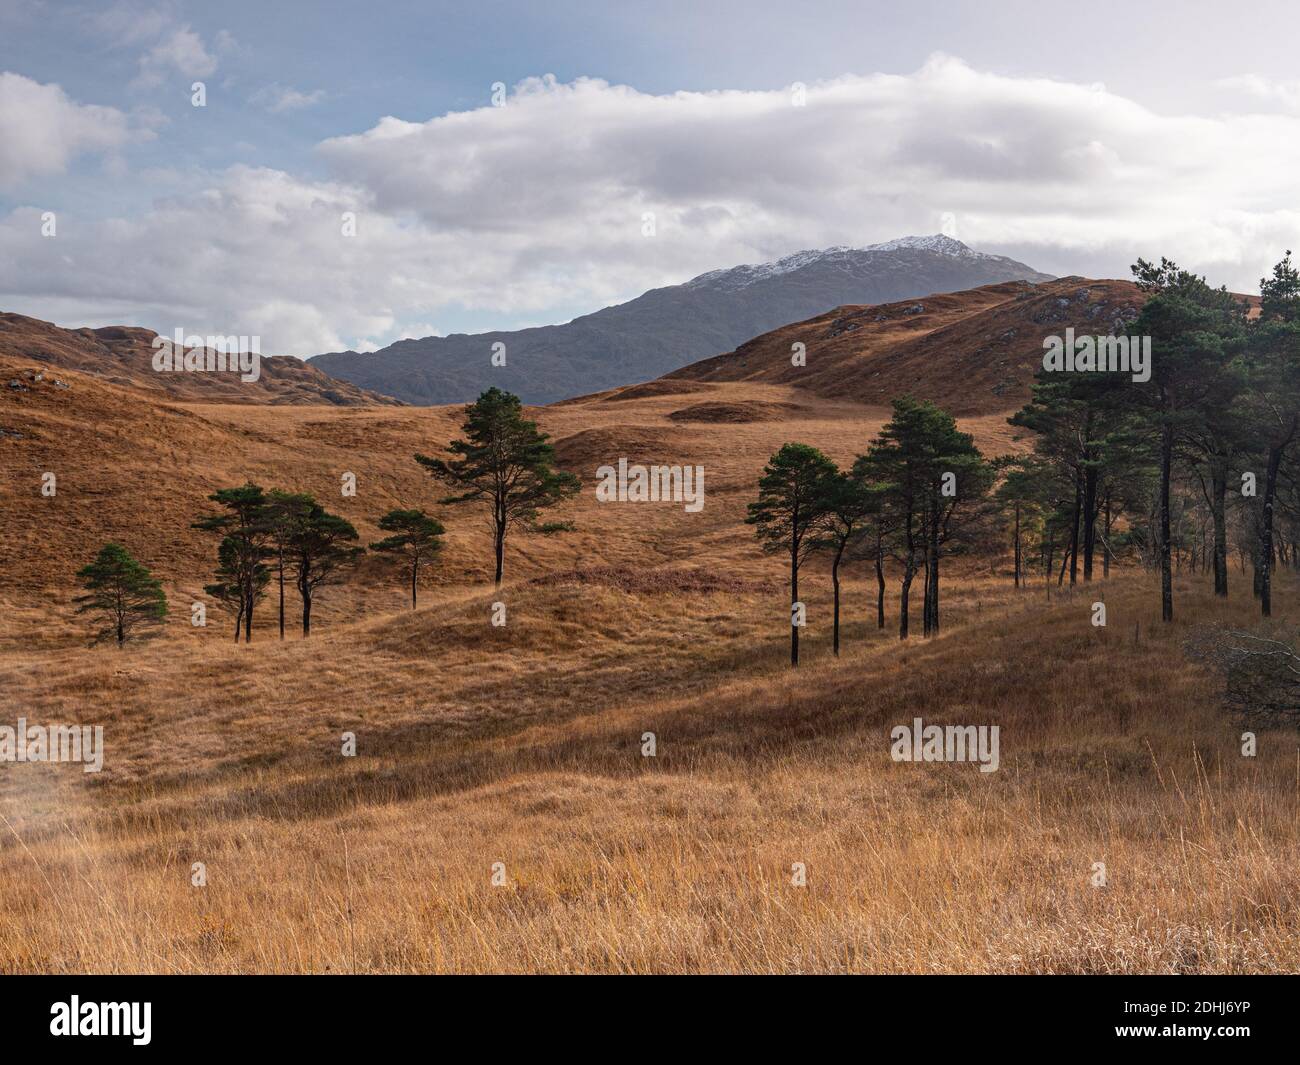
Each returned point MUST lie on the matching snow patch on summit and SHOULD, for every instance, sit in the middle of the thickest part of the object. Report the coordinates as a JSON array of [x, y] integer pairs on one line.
[[936, 242], [741, 276]]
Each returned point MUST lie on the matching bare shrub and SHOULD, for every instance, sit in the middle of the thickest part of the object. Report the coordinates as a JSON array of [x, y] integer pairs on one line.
[[1261, 672]]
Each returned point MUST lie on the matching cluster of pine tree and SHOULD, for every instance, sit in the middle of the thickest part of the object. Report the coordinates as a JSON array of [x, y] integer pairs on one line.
[[504, 464], [1197, 459], [1188, 465], [917, 493]]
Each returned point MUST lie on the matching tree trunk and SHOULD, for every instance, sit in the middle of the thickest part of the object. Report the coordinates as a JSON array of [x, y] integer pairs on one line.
[[1105, 541], [1089, 519], [1166, 572], [932, 575], [934, 591], [1266, 532], [306, 611], [908, 573], [1017, 571], [1074, 535], [500, 546], [281, 593], [1049, 555], [835, 583], [794, 598], [415, 572], [925, 593], [880, 583], [1218, 506]]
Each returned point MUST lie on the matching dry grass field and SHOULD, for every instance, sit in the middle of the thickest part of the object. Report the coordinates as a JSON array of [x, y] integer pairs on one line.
[[522, 745]]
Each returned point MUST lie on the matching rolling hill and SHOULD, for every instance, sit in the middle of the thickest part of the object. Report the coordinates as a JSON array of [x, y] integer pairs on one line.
[[971, 352], [123, 355], [974, 352]]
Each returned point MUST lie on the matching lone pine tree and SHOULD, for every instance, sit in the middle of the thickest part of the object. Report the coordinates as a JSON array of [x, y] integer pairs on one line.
[[505, 464], [122, 591]]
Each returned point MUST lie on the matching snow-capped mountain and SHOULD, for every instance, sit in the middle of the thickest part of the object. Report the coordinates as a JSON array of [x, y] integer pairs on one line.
[[667, 328], [937, 243]]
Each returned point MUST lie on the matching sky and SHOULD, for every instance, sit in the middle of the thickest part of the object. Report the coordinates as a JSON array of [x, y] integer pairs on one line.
[[344, 175]]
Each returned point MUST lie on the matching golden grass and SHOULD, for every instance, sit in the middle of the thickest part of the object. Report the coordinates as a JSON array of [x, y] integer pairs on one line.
[[522, 745], [1111, 752]]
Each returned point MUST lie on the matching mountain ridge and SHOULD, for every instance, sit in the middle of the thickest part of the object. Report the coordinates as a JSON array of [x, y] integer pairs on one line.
[[672, 326]]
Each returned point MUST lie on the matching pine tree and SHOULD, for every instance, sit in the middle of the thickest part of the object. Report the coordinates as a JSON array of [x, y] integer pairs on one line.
[[234, 587], [849, 506], [416, 536], [1273, 402], [317, 551], [122, 591], [932, 479], [1021, 492], [243, 551], [1192, 329], [285, 514], [505, 464], [790, 512]]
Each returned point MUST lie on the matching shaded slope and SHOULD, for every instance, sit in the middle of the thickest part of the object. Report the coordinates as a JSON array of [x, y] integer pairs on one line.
[[972, 352], [123, 355]]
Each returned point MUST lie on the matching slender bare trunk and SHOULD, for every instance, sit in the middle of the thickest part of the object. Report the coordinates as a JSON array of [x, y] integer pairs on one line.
[[880, 582], [794, 598], [1166, 572]]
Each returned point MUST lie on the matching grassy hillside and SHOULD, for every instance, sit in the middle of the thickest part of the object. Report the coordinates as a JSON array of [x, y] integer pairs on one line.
[[521, 745]]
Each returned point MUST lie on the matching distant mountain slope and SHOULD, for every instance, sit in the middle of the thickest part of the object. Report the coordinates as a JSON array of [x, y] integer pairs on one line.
[[671, 327], [972, 352], [123, 355]]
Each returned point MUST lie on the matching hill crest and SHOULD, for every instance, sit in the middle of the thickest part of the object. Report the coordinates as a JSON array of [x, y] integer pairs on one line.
[[123, 355]]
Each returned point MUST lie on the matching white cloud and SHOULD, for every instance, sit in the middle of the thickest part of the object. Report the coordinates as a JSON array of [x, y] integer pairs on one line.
[[1286, 93], [1011, 161], [173, 47], [254, 251], [41, 129], [278, 98], [539, 204], [180, 50]]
